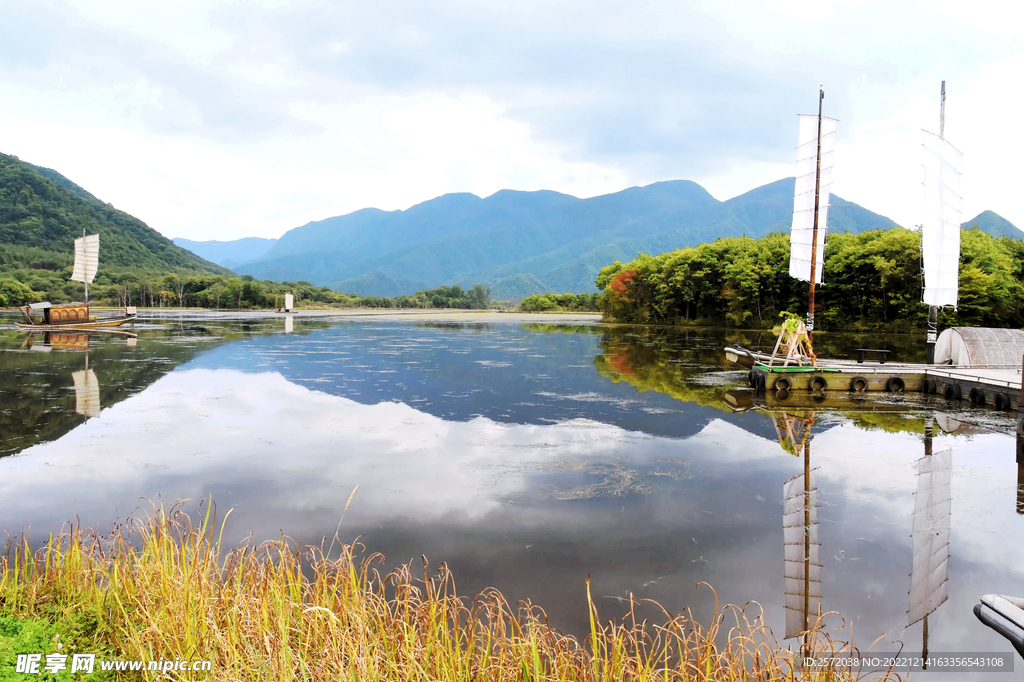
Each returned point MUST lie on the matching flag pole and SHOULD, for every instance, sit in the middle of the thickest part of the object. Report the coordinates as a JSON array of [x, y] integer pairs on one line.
[[814, 232]]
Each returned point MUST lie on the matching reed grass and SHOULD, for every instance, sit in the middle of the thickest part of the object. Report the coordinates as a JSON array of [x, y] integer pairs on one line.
[[161, 587]]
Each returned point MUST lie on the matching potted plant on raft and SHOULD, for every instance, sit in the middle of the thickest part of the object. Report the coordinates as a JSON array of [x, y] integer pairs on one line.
[[793, 343]]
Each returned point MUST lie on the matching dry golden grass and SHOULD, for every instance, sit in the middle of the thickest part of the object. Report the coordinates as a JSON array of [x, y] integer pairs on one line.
[[163, 588]]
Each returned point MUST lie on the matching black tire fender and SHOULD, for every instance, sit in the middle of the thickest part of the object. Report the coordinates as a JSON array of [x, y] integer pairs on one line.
[[783, 384], [818, 383], [895, 385], [858, 384]]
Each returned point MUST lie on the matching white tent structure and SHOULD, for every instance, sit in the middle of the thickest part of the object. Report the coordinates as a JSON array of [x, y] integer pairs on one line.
[[974, 346]]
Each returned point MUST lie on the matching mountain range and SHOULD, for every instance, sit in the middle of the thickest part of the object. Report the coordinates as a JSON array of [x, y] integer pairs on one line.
[[42, 212], [526, 242], [517, 243], [229, 254]]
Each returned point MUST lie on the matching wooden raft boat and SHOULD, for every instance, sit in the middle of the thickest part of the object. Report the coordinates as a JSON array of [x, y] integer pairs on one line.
[[76, 315], [71, 316]]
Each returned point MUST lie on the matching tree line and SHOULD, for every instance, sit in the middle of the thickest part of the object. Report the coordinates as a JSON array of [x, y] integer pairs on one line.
[[871, 280], [560, 302], [129, 287]]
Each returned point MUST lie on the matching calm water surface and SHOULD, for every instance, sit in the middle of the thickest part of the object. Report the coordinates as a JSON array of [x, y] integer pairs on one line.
[[525, 456]]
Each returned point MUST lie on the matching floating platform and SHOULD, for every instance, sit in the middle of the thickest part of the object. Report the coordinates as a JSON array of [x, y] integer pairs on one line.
[[994, 385]]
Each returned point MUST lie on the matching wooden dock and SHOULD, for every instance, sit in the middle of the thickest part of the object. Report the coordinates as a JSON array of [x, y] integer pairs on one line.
[[994, 385]]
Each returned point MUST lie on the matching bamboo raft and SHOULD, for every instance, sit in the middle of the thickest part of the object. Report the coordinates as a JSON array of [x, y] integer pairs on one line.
[[995, 385]]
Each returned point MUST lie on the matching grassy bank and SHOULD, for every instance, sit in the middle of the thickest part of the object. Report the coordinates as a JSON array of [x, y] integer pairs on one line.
[[164, 588]]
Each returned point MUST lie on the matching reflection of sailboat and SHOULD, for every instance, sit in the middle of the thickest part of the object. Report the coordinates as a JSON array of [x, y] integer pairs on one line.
[[932, 506], [793, 430], [87, 386], [87, 391], [800, 529]]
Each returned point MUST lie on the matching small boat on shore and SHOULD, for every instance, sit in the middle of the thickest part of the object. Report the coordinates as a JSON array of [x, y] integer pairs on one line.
[[76, 315], [71, 316]]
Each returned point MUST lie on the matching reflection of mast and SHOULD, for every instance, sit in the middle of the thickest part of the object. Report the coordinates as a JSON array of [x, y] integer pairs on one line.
[[802, 545], [932, 506], [1020, 461], [1020, 483], [87, 391]]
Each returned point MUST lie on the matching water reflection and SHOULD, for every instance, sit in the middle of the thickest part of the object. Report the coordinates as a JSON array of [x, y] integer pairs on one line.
[[931, 526], [527, 460], [800, 527], [931, 517]]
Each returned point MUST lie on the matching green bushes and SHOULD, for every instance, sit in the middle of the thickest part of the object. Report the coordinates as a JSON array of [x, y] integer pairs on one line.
[[14, 293], [872, 279], [567, 301]]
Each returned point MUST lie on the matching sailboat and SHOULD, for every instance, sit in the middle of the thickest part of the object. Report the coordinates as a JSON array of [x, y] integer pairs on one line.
[[940, 229], [76, 315], [816, 143]]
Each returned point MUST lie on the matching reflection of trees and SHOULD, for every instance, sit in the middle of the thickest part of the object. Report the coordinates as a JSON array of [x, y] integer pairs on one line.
[[665, 363], [39, 403]]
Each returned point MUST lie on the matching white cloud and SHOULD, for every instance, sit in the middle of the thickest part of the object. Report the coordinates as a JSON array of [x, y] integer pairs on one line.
[[208, 120]]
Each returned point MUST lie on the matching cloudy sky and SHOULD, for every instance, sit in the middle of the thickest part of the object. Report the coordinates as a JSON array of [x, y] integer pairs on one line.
[[218, 120]]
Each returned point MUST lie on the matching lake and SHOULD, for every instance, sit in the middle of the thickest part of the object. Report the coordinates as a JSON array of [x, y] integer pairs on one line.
[[529, 455]]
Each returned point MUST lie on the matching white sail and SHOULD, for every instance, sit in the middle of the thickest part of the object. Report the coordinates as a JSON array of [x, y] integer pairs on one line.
[[940, 229], [289, 301], [87, 258], [802, 554], [87, 393], [932, 506], [801, 235]]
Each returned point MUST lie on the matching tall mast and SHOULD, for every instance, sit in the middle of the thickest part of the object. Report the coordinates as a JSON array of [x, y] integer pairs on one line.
[[933, 311], [86, 283], [814, 232]]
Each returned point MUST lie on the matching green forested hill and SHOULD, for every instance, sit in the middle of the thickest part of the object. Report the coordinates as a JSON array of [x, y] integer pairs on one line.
[[994, 224], [42, 212], [520, 243]]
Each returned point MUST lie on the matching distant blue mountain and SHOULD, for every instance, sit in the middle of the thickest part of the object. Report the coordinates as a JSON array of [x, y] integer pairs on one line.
[[995, 224], [229, 254], [521, 242]]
